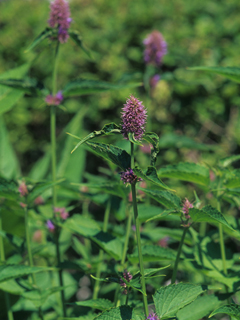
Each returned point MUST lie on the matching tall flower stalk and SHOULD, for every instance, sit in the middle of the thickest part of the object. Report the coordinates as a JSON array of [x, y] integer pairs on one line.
[[134, 122]]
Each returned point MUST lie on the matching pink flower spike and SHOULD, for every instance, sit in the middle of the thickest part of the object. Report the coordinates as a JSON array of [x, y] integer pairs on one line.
[[54, 100], [186, 206], [23, 189], [155, 48], [127, 276], [62, 212], [50, 226], [134, 117], [60, 18], [129, 177], [152, 316], [39, 201]]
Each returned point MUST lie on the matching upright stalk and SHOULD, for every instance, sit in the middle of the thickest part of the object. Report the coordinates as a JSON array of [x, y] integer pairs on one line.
[[54, 169], [137, 223], [101, 252], [178, 255], [2, 257]]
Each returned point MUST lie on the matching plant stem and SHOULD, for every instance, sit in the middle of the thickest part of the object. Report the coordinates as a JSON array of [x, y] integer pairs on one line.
[[101, 252], [137, 223], [54, 169], [2, 257], [178, 255], [125, 248]]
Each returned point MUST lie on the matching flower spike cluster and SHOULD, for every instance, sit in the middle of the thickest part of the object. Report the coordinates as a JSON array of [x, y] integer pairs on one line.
[[61, 212], [186, 206], [129, 177], [134, 117], [127, 276], [152, 316], [60, 18], [54, 100], [155, 48]]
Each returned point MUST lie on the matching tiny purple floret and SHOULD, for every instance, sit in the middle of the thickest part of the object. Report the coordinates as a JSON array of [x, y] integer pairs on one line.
[[50, 226], [134, 117], [60, 18], [129, 177], [155, 48], [23, 189], [127, 276], [54, 100], [152, 316], [154, 80]]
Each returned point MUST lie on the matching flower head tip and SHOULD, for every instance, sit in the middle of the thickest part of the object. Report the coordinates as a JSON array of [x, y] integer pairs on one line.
[[155, 48], [129, 177]]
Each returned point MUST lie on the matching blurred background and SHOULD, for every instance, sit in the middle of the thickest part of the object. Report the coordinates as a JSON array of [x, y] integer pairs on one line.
[[184, 103]]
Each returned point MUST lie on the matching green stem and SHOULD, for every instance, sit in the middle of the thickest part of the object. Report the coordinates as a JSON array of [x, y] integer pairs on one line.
[[101, 252], [2, 257], [221, 239], [178, 255], [54, 170], [137, 223], [202, 229], [125, 248]]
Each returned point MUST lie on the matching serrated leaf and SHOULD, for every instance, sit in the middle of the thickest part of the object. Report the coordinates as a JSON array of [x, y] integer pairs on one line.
[[146, 212], [76, 37], [108, 129], [232, 179], [9, 96], [153, 139], [208, 214], [132, 139], [114, 154], [120, 313], [8, 272], [152, 253], [201, 307], [168, 300], [8, 189], [172, 140], [30, 86], [233, 310], [101, 304], [225, 162], [17, 242], [232, 73], [84, 86], [187, 172], [167, 199], [81, 225], [47, 33], [150, 175]]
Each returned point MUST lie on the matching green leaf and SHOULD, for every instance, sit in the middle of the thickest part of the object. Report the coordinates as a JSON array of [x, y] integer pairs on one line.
[[114, 154], [81, 225], [167, 199], [153, 139], [232, 73], [9, 96], [146, 212], [30, 86], [172, 140], [17, 242], [168, 300], [208, 214], [112, 245], [225, 162], [201, 307], [233, 310], [40, 187], [152, 253], [232, 179], [150, 175], [101, 304], [187, 172], [108, 129], [75, 36], [47, 33], [8, 189], [132, 139], [84, 86], [8, 272], [120, 313]]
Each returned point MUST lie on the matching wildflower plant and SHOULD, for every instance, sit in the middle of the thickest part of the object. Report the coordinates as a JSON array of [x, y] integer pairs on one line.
[[126, 260]]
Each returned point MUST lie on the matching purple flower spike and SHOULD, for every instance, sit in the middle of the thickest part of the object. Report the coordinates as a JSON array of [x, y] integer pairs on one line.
[[134, 117], [54, 100], [127, 276], [50, 226], [60, 18], [129, 177], [62, 212], [186, 206], [23, 189], [154, 81], [155, 48], [152, 316]]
